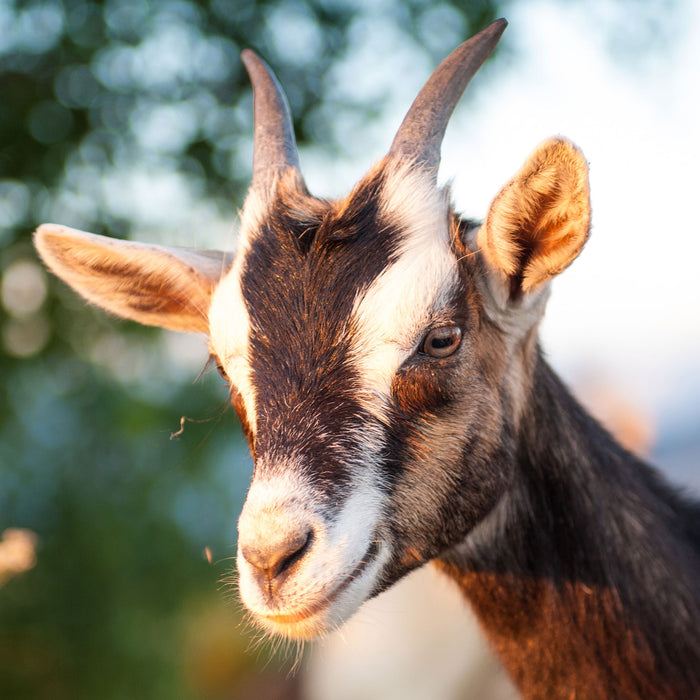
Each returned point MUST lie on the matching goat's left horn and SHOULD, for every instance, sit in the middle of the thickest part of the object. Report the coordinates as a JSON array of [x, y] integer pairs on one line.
[[275, 148], [420, 135]]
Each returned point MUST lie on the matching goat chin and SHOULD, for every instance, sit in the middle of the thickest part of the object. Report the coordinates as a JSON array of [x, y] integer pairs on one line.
[[300, 608]]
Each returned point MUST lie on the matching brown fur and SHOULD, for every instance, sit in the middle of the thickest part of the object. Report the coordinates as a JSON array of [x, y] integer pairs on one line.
[[550, 637]]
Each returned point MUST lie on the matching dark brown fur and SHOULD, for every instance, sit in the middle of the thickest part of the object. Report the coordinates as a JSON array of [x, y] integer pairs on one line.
[[587, 579]]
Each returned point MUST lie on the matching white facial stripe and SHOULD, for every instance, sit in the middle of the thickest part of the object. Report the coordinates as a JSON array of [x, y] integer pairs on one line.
[[392, 314], [274, 503], [229, 326], [229, 322], [255, 209]]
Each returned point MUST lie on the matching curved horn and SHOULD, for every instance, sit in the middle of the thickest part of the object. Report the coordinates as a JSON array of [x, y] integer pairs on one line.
[[420, 135], [275, 148]]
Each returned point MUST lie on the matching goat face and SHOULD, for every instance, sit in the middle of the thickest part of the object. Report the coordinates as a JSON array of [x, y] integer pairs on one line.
[[351, 335], [377, 347]]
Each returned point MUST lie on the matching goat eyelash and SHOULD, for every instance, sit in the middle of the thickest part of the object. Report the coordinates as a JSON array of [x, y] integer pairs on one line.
[[214, 361]]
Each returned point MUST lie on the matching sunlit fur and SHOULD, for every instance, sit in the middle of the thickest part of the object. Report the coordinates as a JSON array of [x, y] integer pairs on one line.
[[391, 315], [409, 421], [539, 222], [228, 339], [151, 284]]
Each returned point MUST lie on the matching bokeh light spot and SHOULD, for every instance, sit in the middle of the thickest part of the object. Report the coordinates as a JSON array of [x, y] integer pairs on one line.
[[23, 289], [25, 337]]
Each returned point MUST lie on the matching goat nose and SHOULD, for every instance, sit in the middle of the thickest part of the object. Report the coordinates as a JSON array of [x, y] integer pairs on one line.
[[276, 555]]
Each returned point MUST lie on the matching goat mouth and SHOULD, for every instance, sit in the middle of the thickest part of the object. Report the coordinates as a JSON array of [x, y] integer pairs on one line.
[[309, 611]]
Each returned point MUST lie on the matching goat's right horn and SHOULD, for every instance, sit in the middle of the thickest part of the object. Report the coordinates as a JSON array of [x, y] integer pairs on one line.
[[420, 135], [275, 147]]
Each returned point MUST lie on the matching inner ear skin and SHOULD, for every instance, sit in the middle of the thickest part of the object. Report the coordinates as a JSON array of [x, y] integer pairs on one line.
[[539, 221]]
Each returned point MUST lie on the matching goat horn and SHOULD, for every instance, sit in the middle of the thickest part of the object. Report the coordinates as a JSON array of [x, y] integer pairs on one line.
[[275, 148], [420, 135]]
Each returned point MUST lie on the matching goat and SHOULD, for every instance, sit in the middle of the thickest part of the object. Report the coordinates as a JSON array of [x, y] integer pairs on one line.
[[383, 358]]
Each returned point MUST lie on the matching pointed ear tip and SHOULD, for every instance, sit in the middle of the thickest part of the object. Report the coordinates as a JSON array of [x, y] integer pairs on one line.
[[44, 234], [46, 241], [563, 154], [44, 230], [52, 240], [561, 143]]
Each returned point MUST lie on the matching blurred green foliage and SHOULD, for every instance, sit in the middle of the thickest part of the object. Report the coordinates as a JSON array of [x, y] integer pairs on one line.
[[99, 101]]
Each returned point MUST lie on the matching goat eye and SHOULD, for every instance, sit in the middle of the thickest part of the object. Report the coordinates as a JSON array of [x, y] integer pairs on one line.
[[220, 369], [442, 342]]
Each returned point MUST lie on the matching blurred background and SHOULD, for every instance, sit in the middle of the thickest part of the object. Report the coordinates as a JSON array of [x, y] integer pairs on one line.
[[122, 469]]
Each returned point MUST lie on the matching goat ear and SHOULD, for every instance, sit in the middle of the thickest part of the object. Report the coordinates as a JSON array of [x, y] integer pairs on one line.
[[157, 286], [539, 222]]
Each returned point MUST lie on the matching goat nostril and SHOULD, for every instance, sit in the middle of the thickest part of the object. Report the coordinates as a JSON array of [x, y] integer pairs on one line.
[[293, 557], [274, 558]]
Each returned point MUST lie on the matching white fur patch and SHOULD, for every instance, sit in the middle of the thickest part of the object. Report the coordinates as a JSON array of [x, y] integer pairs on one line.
[[229, 320], [253, 213], [229, 327], [392, 315]]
